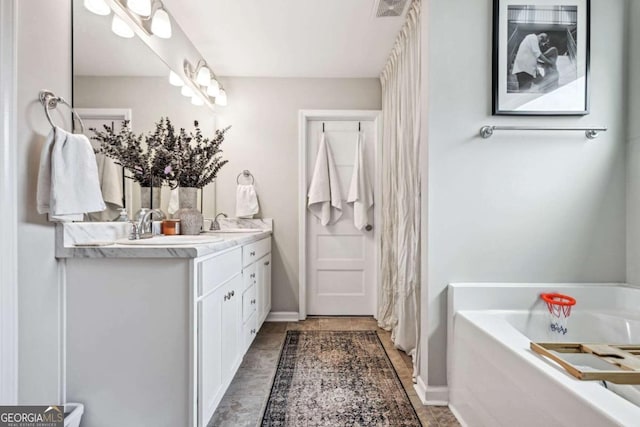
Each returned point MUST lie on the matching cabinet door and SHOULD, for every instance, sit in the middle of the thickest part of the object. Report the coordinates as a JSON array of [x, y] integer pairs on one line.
[[232, 338], [210, 380], [264, 289]]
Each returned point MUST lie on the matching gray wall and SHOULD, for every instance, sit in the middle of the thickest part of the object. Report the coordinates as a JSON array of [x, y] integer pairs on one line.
[[149, 98], [633, 159], [526, 206], [264, 140], [44, 41]]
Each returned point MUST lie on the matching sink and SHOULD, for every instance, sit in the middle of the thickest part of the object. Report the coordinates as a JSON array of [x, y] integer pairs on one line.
[[231, 235], [236, 230], [172, 240]]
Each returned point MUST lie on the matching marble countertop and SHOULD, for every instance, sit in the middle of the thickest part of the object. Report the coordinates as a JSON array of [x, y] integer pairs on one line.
[[99, 240]]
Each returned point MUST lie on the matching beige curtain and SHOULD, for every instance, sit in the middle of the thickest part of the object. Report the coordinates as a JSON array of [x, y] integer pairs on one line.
[[400, 246]]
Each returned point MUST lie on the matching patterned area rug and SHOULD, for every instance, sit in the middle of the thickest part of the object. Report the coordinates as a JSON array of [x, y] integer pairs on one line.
[[327, 378]]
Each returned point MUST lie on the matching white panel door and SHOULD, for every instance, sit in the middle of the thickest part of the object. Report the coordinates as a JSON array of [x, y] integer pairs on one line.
[[341, 270]]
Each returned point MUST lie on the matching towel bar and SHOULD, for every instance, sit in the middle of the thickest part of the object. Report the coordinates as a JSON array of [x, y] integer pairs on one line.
[[590, 132]]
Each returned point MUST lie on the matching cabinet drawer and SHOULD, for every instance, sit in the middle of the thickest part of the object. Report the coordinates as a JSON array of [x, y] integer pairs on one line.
[[215, 271], [255, 250], [249, 331], [250, 274], [248, 303]]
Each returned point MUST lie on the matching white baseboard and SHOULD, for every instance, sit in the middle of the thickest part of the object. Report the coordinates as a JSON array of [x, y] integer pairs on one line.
[[437, 396], [421, 390], [432, 396], [456, 414], [282, 316]]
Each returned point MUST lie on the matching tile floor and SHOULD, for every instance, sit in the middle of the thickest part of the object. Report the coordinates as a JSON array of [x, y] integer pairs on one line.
[[246, 397]]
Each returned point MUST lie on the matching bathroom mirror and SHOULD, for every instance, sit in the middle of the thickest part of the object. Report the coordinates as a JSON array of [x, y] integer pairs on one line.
[[116, 78]]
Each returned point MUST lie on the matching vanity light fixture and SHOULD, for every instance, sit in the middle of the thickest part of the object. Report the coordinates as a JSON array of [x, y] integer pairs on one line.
[[204, 76], [214, 88], [99, 7], [121, 28], [140, 7], [161, 23], [221, 99], [187, 91], [175, 80], [149, 16], [204, 84]]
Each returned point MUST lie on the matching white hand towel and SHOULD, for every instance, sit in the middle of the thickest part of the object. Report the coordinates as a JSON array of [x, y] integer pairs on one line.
[[246, 201], [68, 182], [360, 193], [325, 200]]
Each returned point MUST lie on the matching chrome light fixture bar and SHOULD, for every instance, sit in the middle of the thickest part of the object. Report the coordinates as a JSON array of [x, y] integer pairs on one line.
[[150, 16], [204, 83]]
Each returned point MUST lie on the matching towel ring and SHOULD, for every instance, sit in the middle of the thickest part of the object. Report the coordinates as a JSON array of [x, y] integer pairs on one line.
[[50, 102], [245, 173]]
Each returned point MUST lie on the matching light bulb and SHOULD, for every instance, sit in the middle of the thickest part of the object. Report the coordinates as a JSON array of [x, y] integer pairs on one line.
[[204, 76], [161, 24], [196, 100], [221, 99], [140, 7], [214, 88], [99, 7], [175, 80], [186, 91], [121, 28]]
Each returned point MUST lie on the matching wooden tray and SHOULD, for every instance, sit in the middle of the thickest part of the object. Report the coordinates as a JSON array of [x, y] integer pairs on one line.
[[625, 357]]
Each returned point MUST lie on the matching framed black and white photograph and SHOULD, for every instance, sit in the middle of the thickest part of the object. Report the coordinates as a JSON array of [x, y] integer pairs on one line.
[[541, 57]]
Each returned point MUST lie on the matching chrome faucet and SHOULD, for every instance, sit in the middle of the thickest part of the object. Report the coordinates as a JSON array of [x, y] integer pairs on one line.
[[143, 228], [215, 225]]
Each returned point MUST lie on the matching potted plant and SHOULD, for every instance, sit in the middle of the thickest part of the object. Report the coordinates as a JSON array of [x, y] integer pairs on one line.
[[145, 157], [195, 163]]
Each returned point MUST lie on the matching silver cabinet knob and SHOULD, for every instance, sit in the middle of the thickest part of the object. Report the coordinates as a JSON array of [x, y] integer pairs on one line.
[[266, 263], [252, 253], [252, 275], [368, 227], [233, 293]]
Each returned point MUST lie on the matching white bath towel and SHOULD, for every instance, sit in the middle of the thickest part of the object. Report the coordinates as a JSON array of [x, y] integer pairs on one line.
[[110, 175], [174, 201], [246, 201], [68, 183], [324, 197], [360, 193]]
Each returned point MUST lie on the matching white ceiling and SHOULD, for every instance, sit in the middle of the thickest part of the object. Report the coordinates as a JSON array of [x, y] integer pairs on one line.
[[99, 52], [288, 38], [274, 38]]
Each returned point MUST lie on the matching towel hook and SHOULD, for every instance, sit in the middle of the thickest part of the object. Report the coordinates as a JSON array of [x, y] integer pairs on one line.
[[50, 101], [245, 173]]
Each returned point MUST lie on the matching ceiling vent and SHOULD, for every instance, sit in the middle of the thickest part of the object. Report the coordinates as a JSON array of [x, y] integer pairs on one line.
[[390, 8]]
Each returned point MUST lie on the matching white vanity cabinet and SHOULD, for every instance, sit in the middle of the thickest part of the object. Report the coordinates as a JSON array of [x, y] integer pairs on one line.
[[159, 333], [234, 298], [264, 287], [256, 298], [220, 345]]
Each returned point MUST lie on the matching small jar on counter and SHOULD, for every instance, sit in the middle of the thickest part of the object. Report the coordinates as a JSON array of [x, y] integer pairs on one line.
[[171, 227]]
